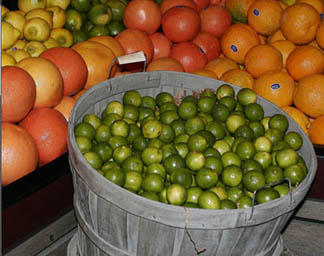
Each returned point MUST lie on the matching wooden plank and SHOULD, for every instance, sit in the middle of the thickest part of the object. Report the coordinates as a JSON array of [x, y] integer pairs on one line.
[[46, 237], [311, 209]]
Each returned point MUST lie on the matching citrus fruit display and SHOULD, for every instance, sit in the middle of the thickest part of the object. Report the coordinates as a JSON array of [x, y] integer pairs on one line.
[[180, 151]]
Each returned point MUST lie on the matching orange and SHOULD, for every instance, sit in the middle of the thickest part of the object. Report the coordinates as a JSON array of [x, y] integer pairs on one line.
[[109, 42], [277, 87], [206, 73], [305, 60], [263, 39], [276, 36], [263, 58], [71, 65], [299, 117], [239, 77], [79, 94], [299, 23], [165, 63], [315, 130], [285, 47], [19, 155], [320, 35], [220, 65], [317, 4], [65, 106], [238, 9], [18, 90], [48, 127], [315, 44], [309, 95], [48, 80], [264, 16], [97, 58], [237, 40]]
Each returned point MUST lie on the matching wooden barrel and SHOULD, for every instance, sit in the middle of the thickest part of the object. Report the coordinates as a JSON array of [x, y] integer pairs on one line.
[[114, 221]]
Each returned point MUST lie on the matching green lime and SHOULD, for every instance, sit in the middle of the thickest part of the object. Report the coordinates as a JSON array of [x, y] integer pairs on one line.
[[210, 138], [183, 138], [263, 143], [133, 181], [274, 135], [206, 117], [153, 183], [109, 165], [167, 134], [150, 195], [273, 173], [215, 164], [99, 30], [168, 106], [144, 112], [219, 191], [94, 159], [229, 102], [132, 97], [280, 122], [283, 189], [194, 125], [211, 152], [80, 36], [193, 194], [224, 90], [216, 129], [209, 200], [195, 160], [117, 141], [265, 122], [134, 131], [81, 5], [85, 130], [246, 96], [86, 27], [131, 112], [230, 158], [239, 108], [244, 131], [245, 150], [263, 158], [222, 146], [116, 175], [257, 128], [114, 107], [208, 92], [227, 204], [280, 145], [117, 8], [286, 157], [173, 163], [176, 194], [178, 127], [140, 143], [73, 20], [100, 14], [148, 102], [206, 103], [115, 27], [294, 139], [155, 143], [108, 119], [163, 97], [295, 173], [163, 196], [234, 121], [151, 155], [244, 202], [152, 129], [156, 168], [197, 142], [254, 112], [92, 119], [206, 178], [265, 195], [220, 112], [133, 163], [253, 180], [84, 144], [234, 193], [168, 117], [119, 128], [182, 149], [121, 153], [187, 110], [182, 177], [104, 150], [190, 98], [251, 165], [232, 175]]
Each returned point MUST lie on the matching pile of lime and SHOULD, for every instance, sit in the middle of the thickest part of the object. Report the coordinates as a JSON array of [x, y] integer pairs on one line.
[[214, 151], [90, 18]]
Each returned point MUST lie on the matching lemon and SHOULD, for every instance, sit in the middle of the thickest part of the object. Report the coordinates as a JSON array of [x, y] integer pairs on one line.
[[61, 3], [9, 35], [4, 10], [7, 59], [20, 12], [34, 48], [62, 36], [51, 43], [19, 54], [15, 19], [27, 5], [59, 16], [19, 45], [36, 29], [41, 13]]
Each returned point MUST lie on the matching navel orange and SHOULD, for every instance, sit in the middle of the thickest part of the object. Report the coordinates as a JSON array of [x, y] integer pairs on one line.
[[285, 47], [239, 77], [220, 65], [315, 130], [300, 118], [65, 106]]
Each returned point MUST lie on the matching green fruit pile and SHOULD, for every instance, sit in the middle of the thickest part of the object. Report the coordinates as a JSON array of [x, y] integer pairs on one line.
[[210, 151], [89, 18]]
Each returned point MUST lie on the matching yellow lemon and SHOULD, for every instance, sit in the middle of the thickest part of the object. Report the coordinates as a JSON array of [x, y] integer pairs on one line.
[[9, 35], [34, 48], [17, 20], [61, 3], [27, 5], [19, 45], [7, 59], [62, 36], [41, 13], [59, 17], [4, 10], [36, 29], [19, 54], [51, 43], [20, 12]]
